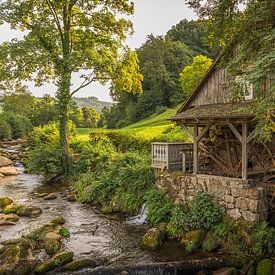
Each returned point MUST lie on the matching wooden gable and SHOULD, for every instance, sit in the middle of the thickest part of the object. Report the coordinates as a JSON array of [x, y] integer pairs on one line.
[[214, 88]]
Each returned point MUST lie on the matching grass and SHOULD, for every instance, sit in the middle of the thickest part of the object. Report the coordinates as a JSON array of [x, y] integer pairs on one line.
[[148, 128]]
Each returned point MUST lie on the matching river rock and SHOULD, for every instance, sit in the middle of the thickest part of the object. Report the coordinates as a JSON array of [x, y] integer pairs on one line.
[[5, 161], [53, 236], [57, 261], [42, 195], [23, 210], [193, 240], [5, 201], [1, 175], [9, 219], [154, 237], [58, 220], [9, 171], [51, 246], [79, 264], [265, 267], [16, 257], [226, 271], [51, 196]]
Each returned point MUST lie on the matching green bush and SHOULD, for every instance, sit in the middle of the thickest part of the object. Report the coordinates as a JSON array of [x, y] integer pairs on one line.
[[5, 130], [20, 125], [122, 184], [45, 159], [159, 206], [263, 239], [49, 133]]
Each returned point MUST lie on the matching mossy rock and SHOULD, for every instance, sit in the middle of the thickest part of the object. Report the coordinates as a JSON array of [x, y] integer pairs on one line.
[[57, 261], [16, 257], [51, 246], [42, 195], [79, 264], [58, 220], [51, 196], [193, 240], [5, 201], [22, 210], [154, 237], [106, 209], [265, 267], [226, 271]]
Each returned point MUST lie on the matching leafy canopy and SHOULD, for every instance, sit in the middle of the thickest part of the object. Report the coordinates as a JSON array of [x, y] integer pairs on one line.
[[74, 35], [191, 75]]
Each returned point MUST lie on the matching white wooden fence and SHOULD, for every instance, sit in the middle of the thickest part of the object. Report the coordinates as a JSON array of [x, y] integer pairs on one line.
[[172, 156]]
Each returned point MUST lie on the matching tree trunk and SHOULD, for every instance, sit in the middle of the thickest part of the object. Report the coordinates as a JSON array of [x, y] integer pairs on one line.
[[63, 105]]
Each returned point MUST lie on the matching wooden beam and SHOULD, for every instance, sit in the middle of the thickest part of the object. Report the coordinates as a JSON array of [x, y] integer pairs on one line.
[[235, 131], [250, 136], [187, 131], [204, 131], [195, 150], [244, 150]]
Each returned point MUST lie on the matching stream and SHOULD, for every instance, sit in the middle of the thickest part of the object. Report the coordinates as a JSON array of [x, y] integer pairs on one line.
[[107, 238]]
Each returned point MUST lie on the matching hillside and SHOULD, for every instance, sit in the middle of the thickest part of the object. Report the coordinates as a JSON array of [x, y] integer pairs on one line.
[[151, 128], [92, 102]]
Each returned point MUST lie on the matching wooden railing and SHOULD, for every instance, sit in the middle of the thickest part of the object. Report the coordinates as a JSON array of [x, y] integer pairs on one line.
[[172, 156]]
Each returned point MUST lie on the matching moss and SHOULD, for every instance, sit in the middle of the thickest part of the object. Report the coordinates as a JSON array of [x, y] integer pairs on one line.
[[193, 240], [106, 209], [58, 220], [5, 201], [51, 246], [265, 267], [64, 232], [154, 237], [210, 243], [22, 210], [79, 264], [57, 261]]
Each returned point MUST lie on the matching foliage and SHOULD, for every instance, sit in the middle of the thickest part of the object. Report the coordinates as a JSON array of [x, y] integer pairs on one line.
[[121, 185], [20, 125], [194, 34], [20, 102], [49, 134], [45, 159], [5, 130], [247, 29], [64, 232], [191, 75], [67, 37], [263, 239], [159, 206]]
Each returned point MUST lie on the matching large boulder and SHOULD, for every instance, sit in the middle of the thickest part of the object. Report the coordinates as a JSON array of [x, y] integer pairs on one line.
[[16, 257], [9, 171], [57, 261], [154, 237], [193, 240], [265, 267], [5, 161]]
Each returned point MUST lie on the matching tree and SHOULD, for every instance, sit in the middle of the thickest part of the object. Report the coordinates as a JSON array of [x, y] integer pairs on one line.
[[90, 117], [20, 102], [63, 37], [191, 75], [247, 30]]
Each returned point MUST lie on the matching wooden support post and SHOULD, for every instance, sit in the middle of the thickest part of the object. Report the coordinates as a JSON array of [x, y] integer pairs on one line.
[[195, 149], [244, 150]]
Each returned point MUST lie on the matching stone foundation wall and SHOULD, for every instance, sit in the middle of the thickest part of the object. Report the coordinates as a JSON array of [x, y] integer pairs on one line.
[[238, 198]]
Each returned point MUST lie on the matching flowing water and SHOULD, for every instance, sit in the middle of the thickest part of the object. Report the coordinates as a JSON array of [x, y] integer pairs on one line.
[[113, 239]]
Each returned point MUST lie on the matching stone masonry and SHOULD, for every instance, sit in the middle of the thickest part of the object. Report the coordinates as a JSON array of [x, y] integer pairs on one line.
[[238, 198]]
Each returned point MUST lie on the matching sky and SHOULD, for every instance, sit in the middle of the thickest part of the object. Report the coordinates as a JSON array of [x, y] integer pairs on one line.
[[151, 17]]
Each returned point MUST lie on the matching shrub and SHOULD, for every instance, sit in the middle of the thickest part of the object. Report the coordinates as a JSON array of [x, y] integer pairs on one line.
[[159, 207], [204, 214], [45, 159], [263, 239], [49, 133], [121, 184], [20, 125], [5, 130]]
